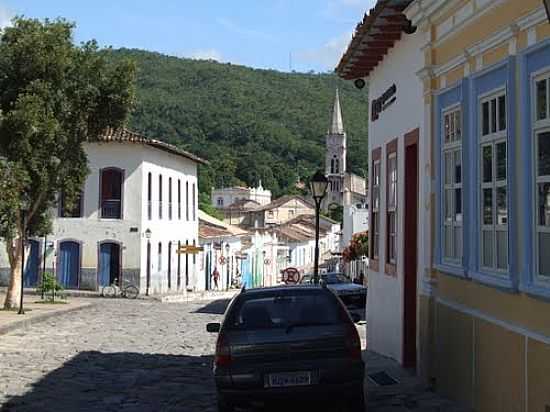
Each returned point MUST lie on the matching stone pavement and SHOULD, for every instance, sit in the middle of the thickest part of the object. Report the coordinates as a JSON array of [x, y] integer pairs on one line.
[[36, 312], [124, 355]]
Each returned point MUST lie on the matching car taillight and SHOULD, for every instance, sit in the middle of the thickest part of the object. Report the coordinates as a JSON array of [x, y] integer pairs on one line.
[[353, 343], [223, 352]]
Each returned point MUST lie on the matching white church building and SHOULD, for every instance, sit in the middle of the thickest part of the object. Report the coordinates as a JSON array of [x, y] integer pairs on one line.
[[344, 188], [138, 205]]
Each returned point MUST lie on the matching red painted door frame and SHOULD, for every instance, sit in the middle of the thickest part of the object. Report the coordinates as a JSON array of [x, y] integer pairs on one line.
[[410, 249]]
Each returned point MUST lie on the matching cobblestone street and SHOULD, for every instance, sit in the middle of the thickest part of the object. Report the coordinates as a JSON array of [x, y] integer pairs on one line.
[[125, 355]]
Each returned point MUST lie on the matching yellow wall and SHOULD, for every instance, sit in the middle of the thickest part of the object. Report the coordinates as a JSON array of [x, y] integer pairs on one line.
[[538, 375], [491, 22]]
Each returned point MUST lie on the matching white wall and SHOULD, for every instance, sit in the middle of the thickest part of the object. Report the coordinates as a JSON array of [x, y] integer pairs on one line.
[[385, 302], [165, 230]]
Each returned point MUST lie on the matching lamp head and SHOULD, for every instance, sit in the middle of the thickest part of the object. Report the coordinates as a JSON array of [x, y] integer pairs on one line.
[[148, 233], [318, 185]]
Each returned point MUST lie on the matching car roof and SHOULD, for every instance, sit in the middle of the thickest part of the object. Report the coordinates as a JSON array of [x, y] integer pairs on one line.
[[280, 288]]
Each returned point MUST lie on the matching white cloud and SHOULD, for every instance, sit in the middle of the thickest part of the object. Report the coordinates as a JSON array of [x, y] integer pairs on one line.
[[5, 16], [328, 55], [207, 54]]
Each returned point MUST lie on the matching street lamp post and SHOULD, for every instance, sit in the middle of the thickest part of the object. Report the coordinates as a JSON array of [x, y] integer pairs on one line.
[[318, 186], [148, 271], [227, 248], [23, 214]]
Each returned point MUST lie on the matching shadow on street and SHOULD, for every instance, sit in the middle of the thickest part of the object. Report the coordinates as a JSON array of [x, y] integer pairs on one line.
[[216, 307], [95, 381]]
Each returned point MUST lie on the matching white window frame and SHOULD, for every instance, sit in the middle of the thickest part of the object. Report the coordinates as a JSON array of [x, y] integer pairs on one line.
[[377, 166], [539, 127], [492, 139], [451, 147], [391, 211]]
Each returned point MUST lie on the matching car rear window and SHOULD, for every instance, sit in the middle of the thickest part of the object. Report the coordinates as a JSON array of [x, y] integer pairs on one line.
[[281, 310]]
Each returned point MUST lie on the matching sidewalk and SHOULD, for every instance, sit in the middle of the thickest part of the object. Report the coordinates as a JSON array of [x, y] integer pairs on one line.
[[37, 312], [390, 388]]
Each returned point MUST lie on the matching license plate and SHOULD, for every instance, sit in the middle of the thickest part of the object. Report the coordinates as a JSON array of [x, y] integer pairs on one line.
[[281, 380]]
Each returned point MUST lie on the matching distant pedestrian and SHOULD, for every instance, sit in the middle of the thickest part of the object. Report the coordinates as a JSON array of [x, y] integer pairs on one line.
[[216, 277]]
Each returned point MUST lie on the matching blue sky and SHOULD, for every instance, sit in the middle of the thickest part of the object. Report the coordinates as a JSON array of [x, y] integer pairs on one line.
[[257, 33]]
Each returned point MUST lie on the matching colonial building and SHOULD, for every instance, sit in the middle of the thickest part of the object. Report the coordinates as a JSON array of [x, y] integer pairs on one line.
[[225, 197], [138, 204], [249, 215], [462, 252], [222, 244]]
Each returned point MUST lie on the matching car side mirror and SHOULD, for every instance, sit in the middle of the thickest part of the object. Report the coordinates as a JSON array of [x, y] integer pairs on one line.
[[355, 317], [213, 327]]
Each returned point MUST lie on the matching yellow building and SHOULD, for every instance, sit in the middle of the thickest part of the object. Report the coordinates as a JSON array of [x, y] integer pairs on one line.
[[483, 325]]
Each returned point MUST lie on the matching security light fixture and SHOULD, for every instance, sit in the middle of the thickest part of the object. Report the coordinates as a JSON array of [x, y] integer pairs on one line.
[[359, 83]]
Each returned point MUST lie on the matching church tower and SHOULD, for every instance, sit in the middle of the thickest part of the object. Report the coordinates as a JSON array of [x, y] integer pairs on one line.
[[335, 157]]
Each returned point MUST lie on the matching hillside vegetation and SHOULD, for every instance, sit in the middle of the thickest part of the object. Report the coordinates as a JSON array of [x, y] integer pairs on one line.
[[250, 124]]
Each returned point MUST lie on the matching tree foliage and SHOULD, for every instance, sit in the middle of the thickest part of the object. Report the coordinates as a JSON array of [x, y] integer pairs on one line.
[[53, 97], [251, 124], [357, 248]]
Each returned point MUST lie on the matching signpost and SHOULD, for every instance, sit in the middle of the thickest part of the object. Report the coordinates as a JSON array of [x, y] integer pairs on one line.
[[189, 249]]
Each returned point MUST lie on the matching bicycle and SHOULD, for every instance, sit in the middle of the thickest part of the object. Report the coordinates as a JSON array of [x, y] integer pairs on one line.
[[113, 291]]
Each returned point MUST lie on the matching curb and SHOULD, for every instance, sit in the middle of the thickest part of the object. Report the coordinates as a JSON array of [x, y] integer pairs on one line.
[[196, 297], [25, 323]]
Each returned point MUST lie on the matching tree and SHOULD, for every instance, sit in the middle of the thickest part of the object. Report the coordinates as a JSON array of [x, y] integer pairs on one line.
[[54, 96]]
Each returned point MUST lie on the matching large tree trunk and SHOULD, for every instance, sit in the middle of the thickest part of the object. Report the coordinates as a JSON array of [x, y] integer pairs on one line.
[[14, 288]]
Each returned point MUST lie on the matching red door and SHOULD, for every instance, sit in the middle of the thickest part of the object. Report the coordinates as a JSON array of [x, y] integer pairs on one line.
[[411, 248]]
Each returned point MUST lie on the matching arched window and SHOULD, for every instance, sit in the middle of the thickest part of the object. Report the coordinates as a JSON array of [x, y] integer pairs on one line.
[[337, 168], [332, 165], [111, 193], [220, 201]]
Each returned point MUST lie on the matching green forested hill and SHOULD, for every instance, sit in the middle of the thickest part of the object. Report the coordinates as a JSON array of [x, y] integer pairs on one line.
[[250, 124]]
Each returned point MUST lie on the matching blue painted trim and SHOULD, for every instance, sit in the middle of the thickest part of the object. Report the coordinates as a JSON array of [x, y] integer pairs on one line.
[[531, 60], [499, 280], [498, 76], [444, 99], [456, 271]]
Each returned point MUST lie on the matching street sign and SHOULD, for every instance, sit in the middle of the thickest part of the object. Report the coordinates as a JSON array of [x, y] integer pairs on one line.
[[189, 250], [291, 276]]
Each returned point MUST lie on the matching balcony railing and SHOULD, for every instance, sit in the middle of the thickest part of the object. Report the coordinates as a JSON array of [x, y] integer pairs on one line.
[[111, 209]]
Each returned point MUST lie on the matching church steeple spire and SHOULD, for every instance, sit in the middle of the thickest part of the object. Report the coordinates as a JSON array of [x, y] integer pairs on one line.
[[337, 124]]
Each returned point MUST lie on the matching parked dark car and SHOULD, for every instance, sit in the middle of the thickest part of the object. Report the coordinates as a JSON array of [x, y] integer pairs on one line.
[[288, 343], [353, 295]]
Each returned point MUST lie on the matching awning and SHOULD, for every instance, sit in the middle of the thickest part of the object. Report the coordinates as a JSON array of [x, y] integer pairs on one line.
[[373, 37]]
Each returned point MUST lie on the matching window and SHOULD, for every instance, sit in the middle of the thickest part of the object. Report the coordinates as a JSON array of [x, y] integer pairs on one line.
[[375, 214], [187, 201], [187, 266], [542, 176], [160, 196], [194, 194], [543, 203], [332, 165], [452, 186], [337, 166], [493, 184], [75, 211], [111, 193], [270, 214], [169, 198], [149, 196], [194, 254], [391, 209], [159, 263], [179, 199], [179, 265], [220, 201], [169, 265], [291, 212]]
